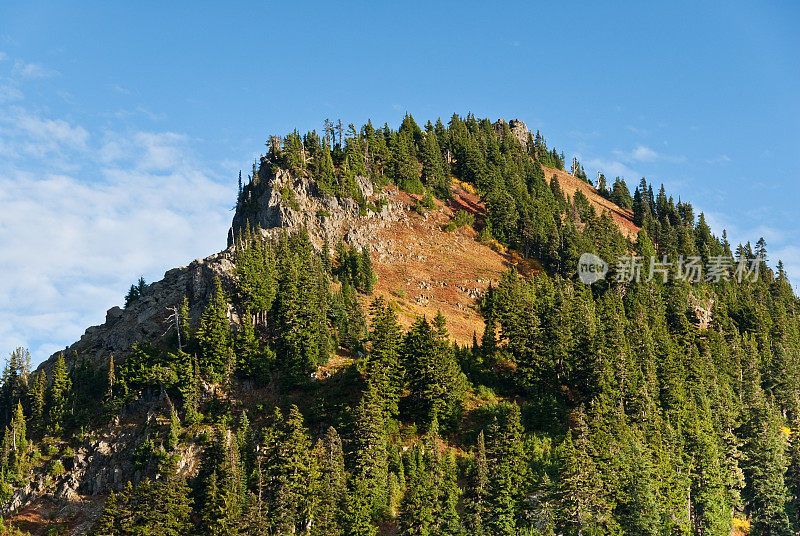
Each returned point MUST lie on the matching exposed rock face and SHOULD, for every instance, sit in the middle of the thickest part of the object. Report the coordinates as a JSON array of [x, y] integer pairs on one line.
[[146, 318], [105, 461], [518, 129], [287, 202]]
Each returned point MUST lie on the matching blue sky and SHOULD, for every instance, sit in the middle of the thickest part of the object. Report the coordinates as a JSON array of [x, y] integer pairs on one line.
[[123, 125]]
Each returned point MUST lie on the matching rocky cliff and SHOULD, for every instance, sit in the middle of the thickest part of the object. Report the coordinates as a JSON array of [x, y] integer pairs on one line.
[[146, 317], [104, 460], [289, 202], [282, 202]]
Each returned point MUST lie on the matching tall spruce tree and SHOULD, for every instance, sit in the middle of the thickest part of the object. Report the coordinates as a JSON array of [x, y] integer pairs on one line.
[[214, 335]]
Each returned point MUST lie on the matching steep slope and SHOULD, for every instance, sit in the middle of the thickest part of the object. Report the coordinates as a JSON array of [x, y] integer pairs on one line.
[[291, 379], [420, 266], [569, 184], [423, 265]]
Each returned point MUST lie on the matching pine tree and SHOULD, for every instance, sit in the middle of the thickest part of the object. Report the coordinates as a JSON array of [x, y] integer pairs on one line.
[[222, 497], [433, 168], [110, 380], [435, 380], [583, 506], [508, 472], [448, 521], [154, 507], [369, 444], [38, 400], [417, 517], [162, 507], [291, 475], [367, 278], [19, 432], [59, 389], [190, 390], [793, 477], [477, 508], [300, 308], [765, 492], [184, 323], [358, 511], [214, 335], [639, 510], [174, 427], [333, 485], [383, 366], [107, 523], [250, 362]]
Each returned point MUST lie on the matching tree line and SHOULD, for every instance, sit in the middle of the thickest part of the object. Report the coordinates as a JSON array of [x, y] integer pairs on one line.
[[603, 409]]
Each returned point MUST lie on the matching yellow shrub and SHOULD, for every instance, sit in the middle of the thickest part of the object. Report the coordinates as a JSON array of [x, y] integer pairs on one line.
[[740, 526]]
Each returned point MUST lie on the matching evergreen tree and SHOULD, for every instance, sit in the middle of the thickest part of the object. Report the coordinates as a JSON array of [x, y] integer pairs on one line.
[[333, 485], [110, 379], [417, 516], [290, 474], [37, 402], [435, 380], [371, 456], [583, 505], [477, 506], [59, 390], [184, 329], [383, 367], [368, 278], [765, 492], [214, 335], [505, 456]]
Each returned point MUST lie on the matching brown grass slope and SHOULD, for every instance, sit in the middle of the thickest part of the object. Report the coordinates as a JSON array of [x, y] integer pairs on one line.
[[421, 268]]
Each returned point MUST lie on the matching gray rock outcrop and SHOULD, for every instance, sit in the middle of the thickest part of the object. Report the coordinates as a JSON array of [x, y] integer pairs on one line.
[[517, 128], [145, 319], [286, 202]]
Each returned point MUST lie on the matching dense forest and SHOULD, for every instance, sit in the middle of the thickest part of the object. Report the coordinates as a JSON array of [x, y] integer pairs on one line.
[[654, 406]]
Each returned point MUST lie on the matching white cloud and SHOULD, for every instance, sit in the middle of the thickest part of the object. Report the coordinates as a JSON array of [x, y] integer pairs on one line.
[[58, 130], [644, 154], [3, 56], [719, 160], [9, 93], [612, 169], [32, 71], [73, 241], [26, 134]]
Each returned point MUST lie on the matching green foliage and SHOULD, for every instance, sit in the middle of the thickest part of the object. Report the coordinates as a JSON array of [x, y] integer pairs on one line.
[[289, 473], [59, 390], [355, 268], [214, 335], [620, 194], [289, 197], [333, 485], [384, 371], [153, 507], [606, 409], [135, 292], [55, 468], [299, 315], [436, 383], [463, 218]]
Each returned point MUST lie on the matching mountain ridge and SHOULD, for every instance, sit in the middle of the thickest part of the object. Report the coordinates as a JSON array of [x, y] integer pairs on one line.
[[337, 218]]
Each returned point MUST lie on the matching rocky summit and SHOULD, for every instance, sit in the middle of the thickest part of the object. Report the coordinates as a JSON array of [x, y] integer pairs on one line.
[[397, 340]]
